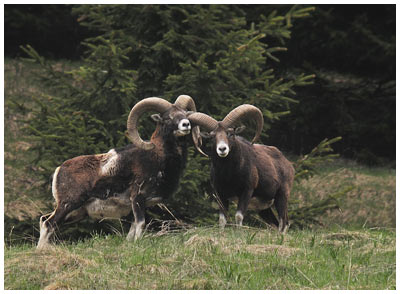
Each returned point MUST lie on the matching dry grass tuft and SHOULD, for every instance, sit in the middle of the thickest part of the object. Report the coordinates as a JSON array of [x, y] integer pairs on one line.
[[346, 236], [57, 286], [50, 260], [197, 240], [280, 250]]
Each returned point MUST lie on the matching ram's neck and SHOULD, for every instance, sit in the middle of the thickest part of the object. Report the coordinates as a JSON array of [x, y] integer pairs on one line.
[[172, 152]]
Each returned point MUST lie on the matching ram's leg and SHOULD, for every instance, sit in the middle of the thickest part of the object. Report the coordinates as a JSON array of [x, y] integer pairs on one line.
[[269, 217], [243, 203], [223, 212], [138, 208], [48, 226], [281, 205], [45, 232]]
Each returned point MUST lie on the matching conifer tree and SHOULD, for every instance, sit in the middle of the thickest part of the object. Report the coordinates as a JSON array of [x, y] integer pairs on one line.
[[209, 52]]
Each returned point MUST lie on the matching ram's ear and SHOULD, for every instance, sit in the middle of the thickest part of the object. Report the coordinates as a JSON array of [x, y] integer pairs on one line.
[[156, 117], [240, 129]]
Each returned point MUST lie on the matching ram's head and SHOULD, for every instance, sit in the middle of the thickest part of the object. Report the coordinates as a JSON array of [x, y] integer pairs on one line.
[[173, 118], [223, 132]]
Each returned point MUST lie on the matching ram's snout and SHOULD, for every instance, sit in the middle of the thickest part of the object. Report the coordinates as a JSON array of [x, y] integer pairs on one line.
[[222, 149], [221, 143], [184, 128]]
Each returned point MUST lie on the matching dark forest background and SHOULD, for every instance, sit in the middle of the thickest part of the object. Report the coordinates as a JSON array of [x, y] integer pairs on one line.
[[350, 49]]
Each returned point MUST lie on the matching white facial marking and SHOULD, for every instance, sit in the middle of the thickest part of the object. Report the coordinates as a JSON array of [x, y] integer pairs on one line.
[[184, 127], [109, 165], [222, 149]]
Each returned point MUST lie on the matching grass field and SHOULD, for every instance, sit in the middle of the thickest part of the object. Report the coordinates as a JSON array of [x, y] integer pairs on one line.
[[207, 258], [355, 249], [371, 202]]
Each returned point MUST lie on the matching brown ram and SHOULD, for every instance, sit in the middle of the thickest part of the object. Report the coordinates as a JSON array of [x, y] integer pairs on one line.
[[112, 184], [256, 176]]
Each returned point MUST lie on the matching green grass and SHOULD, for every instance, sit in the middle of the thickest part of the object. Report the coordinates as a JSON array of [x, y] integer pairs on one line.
[[207, 258], [371, 202]]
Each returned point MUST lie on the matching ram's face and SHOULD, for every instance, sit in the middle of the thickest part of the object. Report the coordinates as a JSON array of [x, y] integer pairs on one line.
[[224, 139], [175, 121], [222, 144]]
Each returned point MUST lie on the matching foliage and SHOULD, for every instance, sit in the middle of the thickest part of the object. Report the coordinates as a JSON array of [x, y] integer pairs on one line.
[[305, 166], [207, 51], [351, 49], [223, 56], [86, 109], [358, 39], [50, 28], [309, 215]]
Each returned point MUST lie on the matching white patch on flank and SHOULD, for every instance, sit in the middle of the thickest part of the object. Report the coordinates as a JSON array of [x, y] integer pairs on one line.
[[54, 184], [222, 149], [109, 163], [110, 208]]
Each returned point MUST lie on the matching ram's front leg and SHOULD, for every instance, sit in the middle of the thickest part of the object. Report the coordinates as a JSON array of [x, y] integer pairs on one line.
[[243, 203], [138, 208], [223, 212]]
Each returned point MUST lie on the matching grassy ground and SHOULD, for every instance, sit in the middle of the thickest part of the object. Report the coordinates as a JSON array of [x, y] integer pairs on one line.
[[207, 258], [371, 202]]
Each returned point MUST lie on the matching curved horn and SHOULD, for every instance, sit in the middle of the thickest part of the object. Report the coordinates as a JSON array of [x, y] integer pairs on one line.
[[203, 120], [148, 104], [186, 102], [245, 111]]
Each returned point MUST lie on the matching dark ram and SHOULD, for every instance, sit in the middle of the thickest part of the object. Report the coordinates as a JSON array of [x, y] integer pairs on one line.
[[131, 178], [256, 176]]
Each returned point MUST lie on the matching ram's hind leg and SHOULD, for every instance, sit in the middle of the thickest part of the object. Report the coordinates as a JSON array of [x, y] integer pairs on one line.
[[269, 217], [48, 226], [138, 208], [281, 205], [136, 230], [45, 231]]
